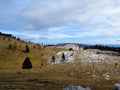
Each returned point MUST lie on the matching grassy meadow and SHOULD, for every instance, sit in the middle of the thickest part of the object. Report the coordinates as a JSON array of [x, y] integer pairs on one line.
[[44, 75]]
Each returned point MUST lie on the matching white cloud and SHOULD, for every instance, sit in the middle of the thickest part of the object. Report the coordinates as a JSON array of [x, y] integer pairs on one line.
[[62, 18], [64, 11], [105, 41]]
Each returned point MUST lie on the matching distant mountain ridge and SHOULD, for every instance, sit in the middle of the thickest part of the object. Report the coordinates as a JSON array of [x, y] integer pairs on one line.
[[88, 45]]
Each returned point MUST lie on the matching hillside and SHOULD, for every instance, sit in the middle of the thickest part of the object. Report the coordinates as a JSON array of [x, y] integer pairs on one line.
[[97, 69], [12, 53]]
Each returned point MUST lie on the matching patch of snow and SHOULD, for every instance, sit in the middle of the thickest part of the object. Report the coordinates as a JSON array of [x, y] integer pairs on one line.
[[94, 76], [69, 56], [88, 56], [57, 61], [107, 77], [71, 74], [76, 88], [117, 86], [83, 56]]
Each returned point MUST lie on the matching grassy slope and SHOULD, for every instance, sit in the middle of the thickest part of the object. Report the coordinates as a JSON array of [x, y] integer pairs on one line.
[[10, 59], [13, 76]]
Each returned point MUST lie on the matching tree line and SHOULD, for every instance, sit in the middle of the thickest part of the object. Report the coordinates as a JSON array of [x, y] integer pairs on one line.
[[7, 35], [104, 47]]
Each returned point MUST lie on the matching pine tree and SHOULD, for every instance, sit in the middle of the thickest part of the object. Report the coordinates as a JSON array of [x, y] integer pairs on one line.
[[63, 57], [27, 64]]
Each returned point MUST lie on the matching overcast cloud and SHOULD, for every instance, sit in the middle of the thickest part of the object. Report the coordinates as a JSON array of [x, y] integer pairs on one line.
[[71, 20]]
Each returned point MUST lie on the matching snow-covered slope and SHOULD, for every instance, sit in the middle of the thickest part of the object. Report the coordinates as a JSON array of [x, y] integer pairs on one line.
[[84, 56]]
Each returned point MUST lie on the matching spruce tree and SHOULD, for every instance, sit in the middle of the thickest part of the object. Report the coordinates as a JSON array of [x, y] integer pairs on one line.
[[63, 57], [27, 64]]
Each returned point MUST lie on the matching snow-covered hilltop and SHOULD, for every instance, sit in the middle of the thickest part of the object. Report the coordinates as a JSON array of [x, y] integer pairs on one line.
[[73, 47]]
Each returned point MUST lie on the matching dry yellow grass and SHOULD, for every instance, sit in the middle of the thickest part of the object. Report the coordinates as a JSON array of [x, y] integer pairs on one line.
[[12, 76]]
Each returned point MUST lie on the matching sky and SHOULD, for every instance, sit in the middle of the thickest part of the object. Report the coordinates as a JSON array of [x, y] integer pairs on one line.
[[62, 21]]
